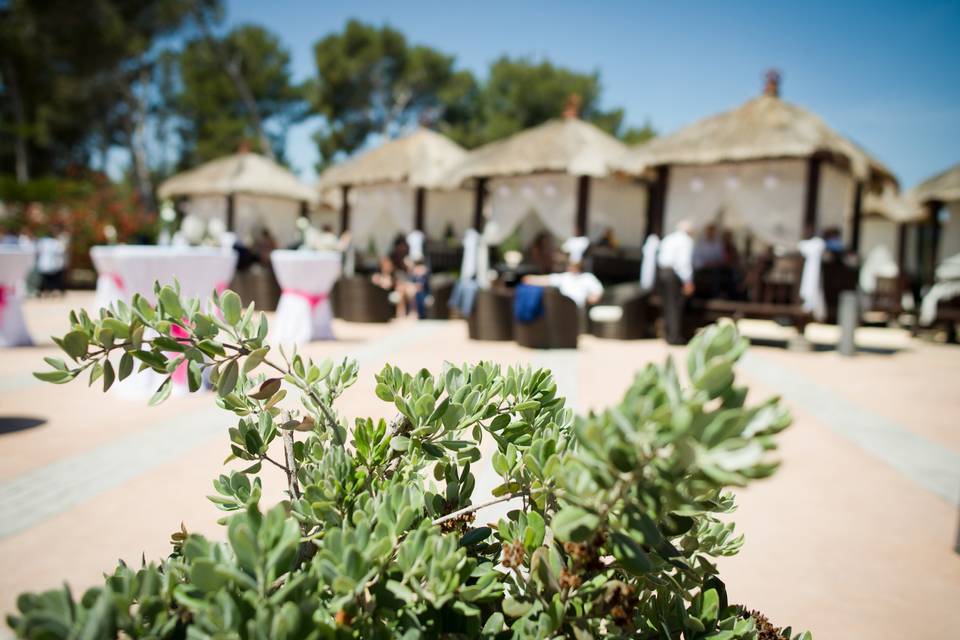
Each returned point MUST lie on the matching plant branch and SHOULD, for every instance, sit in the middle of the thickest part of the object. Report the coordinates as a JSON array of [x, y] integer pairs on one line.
[[475, 507]]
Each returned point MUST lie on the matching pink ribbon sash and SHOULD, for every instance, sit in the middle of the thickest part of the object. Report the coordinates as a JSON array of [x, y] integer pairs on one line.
[[180, 373], [117, 280], [313, 298], [4, 292]]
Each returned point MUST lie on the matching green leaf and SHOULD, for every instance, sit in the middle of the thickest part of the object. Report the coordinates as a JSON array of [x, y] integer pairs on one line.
[[384, 392], [204, 575], [574, 524], [424, 406], [475, 535], [231, 306], [108, 375], [535, 532], [400, 443], [56, 377], [254, 359], [162, 392], [75, 344], [228, 379], [171, 302], [126, 365], [629, 553]]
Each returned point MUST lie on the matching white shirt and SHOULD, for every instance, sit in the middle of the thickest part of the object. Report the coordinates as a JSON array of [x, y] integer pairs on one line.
[[51, 255], [676, 252], [575, 247], [579, 287]]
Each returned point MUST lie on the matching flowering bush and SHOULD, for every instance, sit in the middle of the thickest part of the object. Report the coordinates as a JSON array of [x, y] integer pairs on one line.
[[613, 522], [87, 205]]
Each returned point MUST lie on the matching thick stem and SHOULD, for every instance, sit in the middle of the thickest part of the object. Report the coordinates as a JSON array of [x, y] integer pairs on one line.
[[291, 463], [475, 507]]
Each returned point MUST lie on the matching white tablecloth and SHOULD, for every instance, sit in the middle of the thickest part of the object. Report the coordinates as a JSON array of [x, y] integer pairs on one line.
[[15, 263], [304, 312], [123, 270]]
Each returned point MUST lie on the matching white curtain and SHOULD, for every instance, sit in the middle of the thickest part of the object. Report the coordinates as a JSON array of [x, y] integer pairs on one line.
[[876, 231], [835, 199], [620, 205], [443, 208], [950, 230], [764, 198], [378, 213], [550, 199], [250, 214], [879, 263]]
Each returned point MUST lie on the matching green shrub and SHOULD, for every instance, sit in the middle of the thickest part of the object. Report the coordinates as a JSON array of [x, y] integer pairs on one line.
[[614, 524]]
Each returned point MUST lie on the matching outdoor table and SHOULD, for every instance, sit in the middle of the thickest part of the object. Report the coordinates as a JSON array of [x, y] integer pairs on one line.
[[306, 278], [123, 270], [15, 263]]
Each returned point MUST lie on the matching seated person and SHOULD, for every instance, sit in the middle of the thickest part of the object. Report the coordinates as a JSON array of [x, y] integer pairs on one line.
[[576, 246], [541, 252], [580, 286], [384, 278]]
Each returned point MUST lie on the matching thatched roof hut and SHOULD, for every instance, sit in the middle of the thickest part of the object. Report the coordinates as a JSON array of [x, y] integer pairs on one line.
[[420, 159], [385, 191], [769, 167], [565, 145], [558, 177], [943, 187], [242, 173], [765, 127]]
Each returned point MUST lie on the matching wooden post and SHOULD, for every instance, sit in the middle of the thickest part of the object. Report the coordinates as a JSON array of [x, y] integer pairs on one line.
[[344, 208], [930, 273], [419, 200], [480, 197], [857, 218], [902, 249], [583, 206], [810, 218], [230, 213], [657, 200], [304, 209]]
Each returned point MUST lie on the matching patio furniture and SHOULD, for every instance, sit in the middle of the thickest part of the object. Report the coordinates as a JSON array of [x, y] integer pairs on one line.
[[557, 328], [304, 312], [624, 313], [441, 286], [357, 299], [492, 316], [16, 261]]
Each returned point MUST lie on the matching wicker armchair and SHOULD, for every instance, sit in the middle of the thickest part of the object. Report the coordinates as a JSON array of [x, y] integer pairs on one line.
[[357, 299], [257, 284], [441, 286], [557, 328], [636, 318], [492, 315]]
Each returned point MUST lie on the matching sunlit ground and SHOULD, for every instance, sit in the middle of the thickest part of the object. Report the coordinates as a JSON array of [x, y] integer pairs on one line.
[[853, 538]]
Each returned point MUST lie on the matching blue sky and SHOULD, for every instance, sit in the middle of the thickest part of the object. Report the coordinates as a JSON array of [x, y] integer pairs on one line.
[[886, 74]]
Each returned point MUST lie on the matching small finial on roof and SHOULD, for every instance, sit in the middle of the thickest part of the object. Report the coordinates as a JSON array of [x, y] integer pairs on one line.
[[771, 83], [572, 107]]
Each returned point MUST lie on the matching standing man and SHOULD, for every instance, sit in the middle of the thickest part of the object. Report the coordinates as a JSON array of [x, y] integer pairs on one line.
[[675, 275]]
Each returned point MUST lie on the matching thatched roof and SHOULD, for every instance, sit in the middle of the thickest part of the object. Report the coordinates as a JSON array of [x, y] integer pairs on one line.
[[765, 127], [891, 205], [943, 187], [567, 145], [242, 173], [420, 159]]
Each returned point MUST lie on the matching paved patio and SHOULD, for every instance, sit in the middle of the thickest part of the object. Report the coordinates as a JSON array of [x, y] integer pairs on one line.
[[853, 538]]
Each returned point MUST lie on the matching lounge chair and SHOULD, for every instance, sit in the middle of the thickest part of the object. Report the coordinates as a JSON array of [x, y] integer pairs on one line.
[[557, 328], [357, 299], [624, 313], [492, 315]]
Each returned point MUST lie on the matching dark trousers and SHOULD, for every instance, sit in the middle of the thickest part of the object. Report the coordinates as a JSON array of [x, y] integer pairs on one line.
[[674, 303]]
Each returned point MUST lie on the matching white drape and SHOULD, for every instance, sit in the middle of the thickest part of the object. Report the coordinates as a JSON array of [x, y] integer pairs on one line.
[[878, 232], [879, 263], [620, 205], [378, 213], [251, 213], [443, 208], [648, 265], [304, 312], [550, 198], [835, 199], [811, 287], [15, 264], [468, 265], [764, 198]]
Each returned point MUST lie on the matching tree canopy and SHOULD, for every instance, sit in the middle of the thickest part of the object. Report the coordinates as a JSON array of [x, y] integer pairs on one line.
[[214, 116]]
